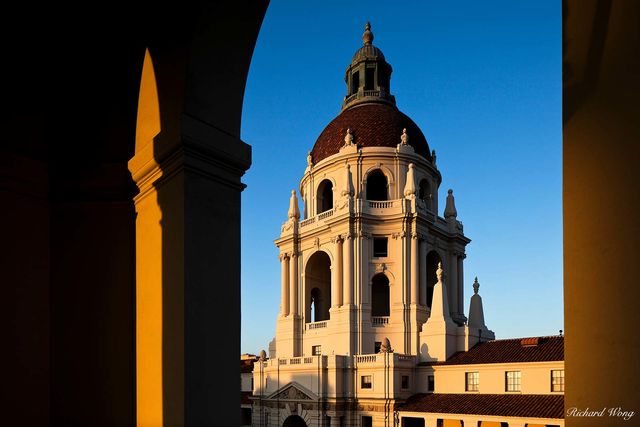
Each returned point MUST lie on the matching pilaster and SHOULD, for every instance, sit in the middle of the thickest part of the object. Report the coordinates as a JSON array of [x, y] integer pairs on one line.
[[178, 208]]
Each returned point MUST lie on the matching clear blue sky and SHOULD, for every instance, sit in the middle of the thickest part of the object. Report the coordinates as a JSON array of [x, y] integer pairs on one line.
[[483, 82]]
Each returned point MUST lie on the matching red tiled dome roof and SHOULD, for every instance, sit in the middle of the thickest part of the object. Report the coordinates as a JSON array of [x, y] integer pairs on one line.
[[372, 125]]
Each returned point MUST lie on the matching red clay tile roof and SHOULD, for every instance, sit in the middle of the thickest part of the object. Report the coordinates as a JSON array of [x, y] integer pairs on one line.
[[244, 397], [372, 125], [509, 351], [505, 405]]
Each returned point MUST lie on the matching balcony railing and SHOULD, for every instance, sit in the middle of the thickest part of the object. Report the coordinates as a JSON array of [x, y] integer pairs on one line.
[[367, 358], [325, 214], [317, 325], [379, 321], [307, 221], [381, 204]]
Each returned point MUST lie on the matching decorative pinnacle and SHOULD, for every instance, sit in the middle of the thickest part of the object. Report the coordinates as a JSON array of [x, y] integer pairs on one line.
[[348, 138], [367, 37], [476, 285], [404, 138]]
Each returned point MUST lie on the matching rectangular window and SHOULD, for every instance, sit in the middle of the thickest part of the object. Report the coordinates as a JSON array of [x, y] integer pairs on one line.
[[379, 246], [367, 421], [404, 382], [365, 381], [471, 382], [316, 350], [512, 381], [557, 380], [251, 383], [376, 346], [431, 383]]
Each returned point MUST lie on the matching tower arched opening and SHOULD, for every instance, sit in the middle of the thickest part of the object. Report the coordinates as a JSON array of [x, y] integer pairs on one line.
[[324, 196], [424, 192], [380, 303], [318, 287], [377, 186], [433, 258]]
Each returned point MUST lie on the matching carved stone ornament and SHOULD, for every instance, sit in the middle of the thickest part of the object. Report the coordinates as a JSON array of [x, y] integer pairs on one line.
[[316, 242], [398, 234], [343, 202], [288, 225], [348, 138], [404, 138], [381, 267], [291, 393]]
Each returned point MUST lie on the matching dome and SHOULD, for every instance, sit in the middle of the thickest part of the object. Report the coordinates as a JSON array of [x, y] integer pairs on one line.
[[368, 51], [372, 125]]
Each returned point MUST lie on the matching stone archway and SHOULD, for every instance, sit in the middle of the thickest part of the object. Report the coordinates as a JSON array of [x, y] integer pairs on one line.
[[294, 421]]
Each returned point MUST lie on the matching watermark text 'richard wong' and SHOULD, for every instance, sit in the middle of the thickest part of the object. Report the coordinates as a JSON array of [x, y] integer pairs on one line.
[[604, 412]]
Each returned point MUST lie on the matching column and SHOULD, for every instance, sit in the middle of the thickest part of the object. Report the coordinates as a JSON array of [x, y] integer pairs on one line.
[[348, 270], [336, 274], [293, 284], [460, 285], [423, 272], [414, 268], [335, 421], [452, 283], [284, 297]]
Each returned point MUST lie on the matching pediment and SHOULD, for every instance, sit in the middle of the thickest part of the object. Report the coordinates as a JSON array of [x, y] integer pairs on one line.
[[293, 391]]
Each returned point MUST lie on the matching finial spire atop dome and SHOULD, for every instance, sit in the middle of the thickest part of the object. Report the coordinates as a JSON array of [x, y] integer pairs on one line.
[[367, 36]]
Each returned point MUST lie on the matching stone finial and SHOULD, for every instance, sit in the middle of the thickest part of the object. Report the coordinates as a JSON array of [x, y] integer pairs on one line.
[[348, 138], [450, 208], [476, 312], [385, 347], [410, 186], [433, 157], [348, 187], [404, 138], [309, 159], [367, 36], [440, 302], [294, 212], [263, 355]]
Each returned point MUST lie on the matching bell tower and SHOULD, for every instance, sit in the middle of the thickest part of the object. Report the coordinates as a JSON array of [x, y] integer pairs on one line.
[[371, 259]]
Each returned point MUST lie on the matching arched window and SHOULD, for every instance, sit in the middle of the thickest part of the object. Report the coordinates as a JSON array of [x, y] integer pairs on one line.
[[432, 265], [317, 277], [424, 192], [380, 295], [325, 196], [377, 186], [316, 305]]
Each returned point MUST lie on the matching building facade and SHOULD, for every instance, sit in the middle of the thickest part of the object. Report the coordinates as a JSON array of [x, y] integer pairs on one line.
[[372, 305]]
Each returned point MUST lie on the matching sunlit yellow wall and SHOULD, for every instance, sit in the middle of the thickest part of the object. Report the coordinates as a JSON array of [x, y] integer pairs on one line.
[[535, 378], [451, 423]]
